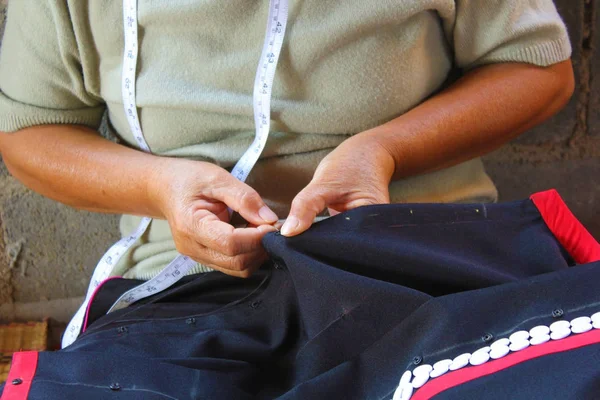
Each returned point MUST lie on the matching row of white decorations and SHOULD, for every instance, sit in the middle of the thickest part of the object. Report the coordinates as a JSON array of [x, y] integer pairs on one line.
[[518, 341]]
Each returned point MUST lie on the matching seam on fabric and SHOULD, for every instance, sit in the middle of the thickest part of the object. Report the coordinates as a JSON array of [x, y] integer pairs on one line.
[[295, 288], [103, 387], [459, 377], [506, 332], [513, 328], [224, 308]]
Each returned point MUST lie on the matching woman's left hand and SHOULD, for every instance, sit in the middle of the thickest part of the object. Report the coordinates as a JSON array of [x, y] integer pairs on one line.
[[357, 173]]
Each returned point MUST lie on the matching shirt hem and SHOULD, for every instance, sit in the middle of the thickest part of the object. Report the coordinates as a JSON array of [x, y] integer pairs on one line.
[[543, 54], [13, 123]]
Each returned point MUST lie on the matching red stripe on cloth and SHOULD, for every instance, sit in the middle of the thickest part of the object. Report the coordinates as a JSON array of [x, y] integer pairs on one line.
[[566, 228], [455, 378], [22, 371]]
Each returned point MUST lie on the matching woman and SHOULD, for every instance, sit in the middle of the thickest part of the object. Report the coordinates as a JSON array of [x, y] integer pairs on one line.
[[363, 111]]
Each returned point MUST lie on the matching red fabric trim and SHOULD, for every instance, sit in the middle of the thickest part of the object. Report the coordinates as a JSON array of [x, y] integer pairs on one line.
[[87, 311], [23, 367], [455, 378], [568, 230]]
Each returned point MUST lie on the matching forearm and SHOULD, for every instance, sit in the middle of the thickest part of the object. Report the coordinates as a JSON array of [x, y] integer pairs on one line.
[[485, 109], [75, 166]]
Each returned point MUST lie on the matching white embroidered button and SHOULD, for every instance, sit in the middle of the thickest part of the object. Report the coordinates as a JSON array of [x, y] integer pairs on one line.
[[499, 352], [479, 357], [539, 330], [500, 348], [539, 339], [398, 393], [424, 369], [406, 391], [581, 321], [442, 363], [460, 361], [560, 334], [518, 345], [404, 387], [560, 326], [420, 380], [504, 342], [519, 336], [437, 372], [581, 327], [403, 392], [406, 377]]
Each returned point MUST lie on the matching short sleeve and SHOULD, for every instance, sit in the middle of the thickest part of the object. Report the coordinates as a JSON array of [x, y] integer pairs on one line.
[[494, 31], [41, 78]]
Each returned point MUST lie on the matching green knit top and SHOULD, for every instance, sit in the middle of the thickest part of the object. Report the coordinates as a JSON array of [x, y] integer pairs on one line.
[[345, 67]]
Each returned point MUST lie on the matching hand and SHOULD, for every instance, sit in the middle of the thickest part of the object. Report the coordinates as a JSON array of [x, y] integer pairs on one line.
[[356, 173], [194, 196]]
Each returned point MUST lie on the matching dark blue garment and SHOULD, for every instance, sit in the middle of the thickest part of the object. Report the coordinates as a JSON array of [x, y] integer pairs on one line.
[[342, 311]]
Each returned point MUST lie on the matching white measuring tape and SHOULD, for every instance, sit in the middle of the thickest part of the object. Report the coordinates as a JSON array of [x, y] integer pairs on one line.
[[263, 83]]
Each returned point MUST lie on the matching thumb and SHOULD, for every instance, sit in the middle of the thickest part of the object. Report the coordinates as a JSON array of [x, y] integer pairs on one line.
[[306, 206], [241, 198]]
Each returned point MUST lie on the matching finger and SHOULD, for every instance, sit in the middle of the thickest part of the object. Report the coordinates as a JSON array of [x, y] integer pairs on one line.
[[305, 207], [224, 215], [276, 226], [243, 199], [336, 208], [241, 266], [221, 237]]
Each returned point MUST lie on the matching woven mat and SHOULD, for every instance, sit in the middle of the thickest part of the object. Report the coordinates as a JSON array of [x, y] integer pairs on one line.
[[20, 337]]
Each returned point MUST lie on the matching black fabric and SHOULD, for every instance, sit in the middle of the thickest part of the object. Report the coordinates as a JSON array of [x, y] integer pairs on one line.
[[438, 249], [341, 312], [205, 292]]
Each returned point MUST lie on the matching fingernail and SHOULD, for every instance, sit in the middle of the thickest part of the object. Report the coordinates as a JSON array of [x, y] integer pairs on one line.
[[266, 228], [267, 215], [290, 225]]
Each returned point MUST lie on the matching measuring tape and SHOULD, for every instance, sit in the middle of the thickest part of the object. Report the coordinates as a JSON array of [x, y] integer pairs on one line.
[[263, 83]]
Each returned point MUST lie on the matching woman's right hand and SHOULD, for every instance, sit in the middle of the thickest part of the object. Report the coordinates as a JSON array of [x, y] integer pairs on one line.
[[74, 165], [194, 197]]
